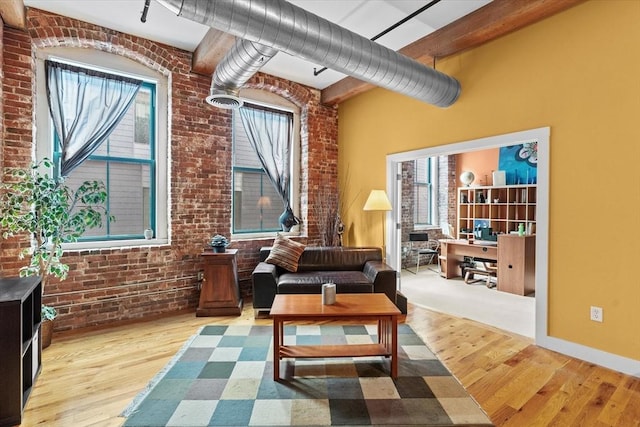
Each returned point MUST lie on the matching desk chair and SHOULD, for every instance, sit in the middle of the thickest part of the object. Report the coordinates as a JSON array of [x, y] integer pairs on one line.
[[490, 270], [425, 247]]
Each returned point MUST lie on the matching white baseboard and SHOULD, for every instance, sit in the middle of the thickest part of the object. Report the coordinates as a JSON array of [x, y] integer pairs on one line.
[[602, 358]]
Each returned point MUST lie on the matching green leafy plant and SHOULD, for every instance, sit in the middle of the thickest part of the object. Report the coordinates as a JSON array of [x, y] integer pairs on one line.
[[33, 201], [48, 313]]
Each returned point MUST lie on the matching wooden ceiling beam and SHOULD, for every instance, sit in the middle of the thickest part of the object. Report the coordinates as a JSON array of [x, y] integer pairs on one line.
[[498, 18], [13, 13], [210, 51]]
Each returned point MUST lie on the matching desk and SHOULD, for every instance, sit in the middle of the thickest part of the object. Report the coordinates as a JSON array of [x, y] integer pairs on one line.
[[515, 256], [453, 252]]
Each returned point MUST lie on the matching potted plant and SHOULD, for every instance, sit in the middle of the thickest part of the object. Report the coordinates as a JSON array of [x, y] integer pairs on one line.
[[219, 243], [34, 202], [47, 314]]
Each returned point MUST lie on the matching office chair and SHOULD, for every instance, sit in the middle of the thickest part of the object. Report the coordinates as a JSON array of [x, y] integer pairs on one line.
[[427, 247]]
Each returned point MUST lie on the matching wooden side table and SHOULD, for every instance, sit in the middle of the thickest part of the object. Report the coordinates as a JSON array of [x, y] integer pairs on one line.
[[220, 293]]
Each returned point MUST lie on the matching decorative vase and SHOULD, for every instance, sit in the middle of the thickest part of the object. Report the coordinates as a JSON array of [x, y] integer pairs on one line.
[[148, 234], [288, 220], [46, 333]]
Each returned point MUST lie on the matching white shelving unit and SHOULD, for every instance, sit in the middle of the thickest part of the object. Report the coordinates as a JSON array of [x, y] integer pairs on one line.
[[502, 208]]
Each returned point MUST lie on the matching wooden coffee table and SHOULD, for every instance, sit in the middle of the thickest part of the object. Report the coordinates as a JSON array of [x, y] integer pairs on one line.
[[361, 307]]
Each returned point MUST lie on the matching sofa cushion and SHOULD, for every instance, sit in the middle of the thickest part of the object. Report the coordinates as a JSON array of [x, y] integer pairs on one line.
[[337, 258], [285, 253], [310, 282]]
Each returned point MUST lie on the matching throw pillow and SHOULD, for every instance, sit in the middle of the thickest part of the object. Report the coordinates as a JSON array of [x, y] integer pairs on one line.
[[285, 253]]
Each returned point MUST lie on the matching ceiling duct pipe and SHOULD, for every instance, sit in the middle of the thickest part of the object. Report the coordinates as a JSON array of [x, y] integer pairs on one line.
[[242, 61], [293, 30]]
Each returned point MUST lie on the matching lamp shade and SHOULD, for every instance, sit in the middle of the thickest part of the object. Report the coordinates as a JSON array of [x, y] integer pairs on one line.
[[377, 201], [264, 202]]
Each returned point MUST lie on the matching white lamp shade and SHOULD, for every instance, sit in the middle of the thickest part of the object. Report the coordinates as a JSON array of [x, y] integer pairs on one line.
[[377, 201]]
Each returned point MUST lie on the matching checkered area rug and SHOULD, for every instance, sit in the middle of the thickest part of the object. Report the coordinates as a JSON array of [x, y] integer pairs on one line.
[[224, 377]]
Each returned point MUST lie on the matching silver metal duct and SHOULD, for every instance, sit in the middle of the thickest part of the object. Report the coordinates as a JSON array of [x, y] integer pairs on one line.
[[293, 30], [242, 61]]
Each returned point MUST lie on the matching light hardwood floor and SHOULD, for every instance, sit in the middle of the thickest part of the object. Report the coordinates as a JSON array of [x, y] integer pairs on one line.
[[89, 377]]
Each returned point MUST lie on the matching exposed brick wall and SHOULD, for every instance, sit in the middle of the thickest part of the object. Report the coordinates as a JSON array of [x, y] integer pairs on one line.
[[408, 176], [452, 216], [1, 96], [17, 115], [119, 284], [1, 105]]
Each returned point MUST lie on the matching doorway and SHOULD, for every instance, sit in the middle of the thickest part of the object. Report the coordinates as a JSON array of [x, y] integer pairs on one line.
[[394, 189]]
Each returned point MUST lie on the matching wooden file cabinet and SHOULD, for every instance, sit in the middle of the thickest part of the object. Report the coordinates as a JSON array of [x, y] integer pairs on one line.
[[516, 263], [220, 293]]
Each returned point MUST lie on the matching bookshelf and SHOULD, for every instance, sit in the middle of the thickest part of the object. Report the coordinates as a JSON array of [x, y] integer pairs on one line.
[[502, 208], [21, 355]]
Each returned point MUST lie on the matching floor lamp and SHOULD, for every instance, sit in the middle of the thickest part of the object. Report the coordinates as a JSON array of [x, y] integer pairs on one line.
[[378, 201]]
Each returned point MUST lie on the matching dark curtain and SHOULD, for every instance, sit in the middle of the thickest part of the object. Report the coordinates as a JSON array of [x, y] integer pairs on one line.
[[86, 106], [270, 134]]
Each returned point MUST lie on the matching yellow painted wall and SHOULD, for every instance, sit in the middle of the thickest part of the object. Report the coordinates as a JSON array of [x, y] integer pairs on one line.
[[579, 73]]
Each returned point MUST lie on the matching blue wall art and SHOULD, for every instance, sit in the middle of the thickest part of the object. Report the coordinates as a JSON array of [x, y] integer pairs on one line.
[[520, 163]]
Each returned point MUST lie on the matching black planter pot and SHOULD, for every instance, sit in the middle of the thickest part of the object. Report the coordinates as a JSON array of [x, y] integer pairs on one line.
[[218, 249]]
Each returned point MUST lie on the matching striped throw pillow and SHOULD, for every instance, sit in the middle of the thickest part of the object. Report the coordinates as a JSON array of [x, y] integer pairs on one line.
[[285, 253]]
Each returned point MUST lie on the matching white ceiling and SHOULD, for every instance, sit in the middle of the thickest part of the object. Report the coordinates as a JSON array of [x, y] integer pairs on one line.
[[365, 17]]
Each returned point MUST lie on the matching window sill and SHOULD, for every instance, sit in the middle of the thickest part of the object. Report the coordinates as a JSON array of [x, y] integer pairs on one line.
[[115, 244], [264, 236], [426, 227]]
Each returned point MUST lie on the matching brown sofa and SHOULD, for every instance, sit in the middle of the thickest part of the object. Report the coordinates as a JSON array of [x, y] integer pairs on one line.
[[353, 270]]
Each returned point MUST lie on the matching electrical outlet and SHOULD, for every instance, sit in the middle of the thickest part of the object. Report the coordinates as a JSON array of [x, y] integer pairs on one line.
[[596, 314], [200, 275]]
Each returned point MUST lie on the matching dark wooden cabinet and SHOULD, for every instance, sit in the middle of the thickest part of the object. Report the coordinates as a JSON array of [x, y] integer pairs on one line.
[[21, 349], [220, 293]]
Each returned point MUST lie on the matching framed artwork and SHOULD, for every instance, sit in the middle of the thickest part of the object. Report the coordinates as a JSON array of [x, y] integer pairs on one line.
[[520, 163]]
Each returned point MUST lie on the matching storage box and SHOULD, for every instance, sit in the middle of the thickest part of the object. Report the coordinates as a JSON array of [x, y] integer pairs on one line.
[[499, 178]]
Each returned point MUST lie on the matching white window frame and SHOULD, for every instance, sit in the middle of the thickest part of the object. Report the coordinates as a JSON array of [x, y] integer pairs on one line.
[[115, 64], [272, 100]]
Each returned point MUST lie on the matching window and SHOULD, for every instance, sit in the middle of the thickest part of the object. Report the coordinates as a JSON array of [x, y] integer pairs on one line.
[[425, 191], [132, 163], [125, 163], [257, 205], [143, 112]]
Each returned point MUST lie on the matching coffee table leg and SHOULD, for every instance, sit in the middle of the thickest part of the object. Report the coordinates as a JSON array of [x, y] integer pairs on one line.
[[277, 324], [394, 346]]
